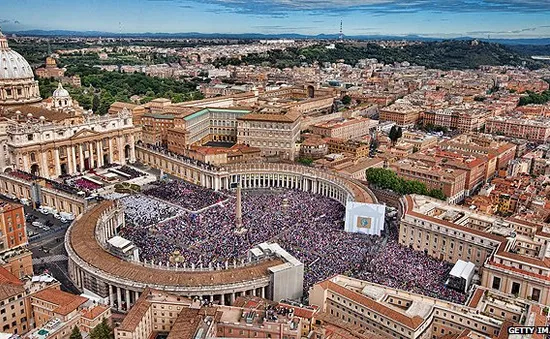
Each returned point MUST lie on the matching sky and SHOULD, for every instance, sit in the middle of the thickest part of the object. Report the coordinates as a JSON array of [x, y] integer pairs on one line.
[[433, 18]]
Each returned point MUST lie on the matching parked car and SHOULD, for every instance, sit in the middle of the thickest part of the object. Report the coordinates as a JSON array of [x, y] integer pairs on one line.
[[37, 224]]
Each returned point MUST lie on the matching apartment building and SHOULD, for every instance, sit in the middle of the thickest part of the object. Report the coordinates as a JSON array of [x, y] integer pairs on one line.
[[14, 256], [462, 119], [157, 312], [356, 149], [275, 134], [511, 252], [379, 311], [403, 113], [353, 128], [536, 130], [14, 314], [56, 313], [451, 182]]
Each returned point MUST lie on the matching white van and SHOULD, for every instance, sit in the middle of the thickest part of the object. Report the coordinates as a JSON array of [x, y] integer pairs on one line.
[[67, 215], [25, 201], [46, 210]]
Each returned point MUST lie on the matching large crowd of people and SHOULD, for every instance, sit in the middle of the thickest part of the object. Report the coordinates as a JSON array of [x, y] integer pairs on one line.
[[188, 196], [308, 226]]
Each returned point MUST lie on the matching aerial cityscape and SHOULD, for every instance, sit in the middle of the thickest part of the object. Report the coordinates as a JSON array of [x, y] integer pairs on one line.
[[309, 169]]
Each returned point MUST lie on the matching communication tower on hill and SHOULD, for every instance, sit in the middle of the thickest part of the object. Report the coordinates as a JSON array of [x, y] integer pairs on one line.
[[341, 36]]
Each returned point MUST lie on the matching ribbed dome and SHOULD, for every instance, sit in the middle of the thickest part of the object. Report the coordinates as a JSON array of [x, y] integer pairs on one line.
[[12, 64], [17, 84], [60, 92]]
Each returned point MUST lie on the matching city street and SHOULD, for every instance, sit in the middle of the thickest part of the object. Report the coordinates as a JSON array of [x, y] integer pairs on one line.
[[47, 247]]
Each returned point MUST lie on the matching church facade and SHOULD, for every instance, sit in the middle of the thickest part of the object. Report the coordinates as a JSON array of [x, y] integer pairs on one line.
[[55, 137]]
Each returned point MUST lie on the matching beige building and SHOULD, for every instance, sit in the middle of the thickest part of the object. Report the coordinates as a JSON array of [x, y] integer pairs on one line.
[[537, 130], [510, 253], [157, 312], [275, 134], [382, 312], [451, 182], [51, 143], [353, 128], [403, 113], [56, 313], [56, 136]]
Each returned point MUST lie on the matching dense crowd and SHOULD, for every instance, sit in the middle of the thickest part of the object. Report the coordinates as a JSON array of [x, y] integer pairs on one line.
[[307, 226], [186, 195], [132, 172], [145, 211]]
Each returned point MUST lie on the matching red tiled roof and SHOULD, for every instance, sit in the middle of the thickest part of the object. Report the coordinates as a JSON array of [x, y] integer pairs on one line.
[[476, 298], [95, 312], [65, 302]]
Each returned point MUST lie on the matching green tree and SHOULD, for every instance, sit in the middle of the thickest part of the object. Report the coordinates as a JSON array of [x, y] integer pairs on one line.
[[346, 100], [75, 334], [95, 103], [102, 331], [387, 179], [393, 133], [305, 161]]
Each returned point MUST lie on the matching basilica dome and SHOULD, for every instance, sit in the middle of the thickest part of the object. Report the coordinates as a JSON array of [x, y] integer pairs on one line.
[[60, 92], [17, 84]]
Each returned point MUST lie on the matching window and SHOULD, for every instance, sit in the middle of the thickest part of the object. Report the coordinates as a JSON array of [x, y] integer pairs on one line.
[[515, 288], [535, 295], [496, 283]]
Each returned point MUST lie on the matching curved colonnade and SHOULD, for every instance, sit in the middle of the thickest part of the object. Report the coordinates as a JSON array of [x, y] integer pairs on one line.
[[120, 282]]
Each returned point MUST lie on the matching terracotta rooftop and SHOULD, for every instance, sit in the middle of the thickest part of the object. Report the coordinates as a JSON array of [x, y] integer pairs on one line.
[[6, 277], [38, 111], [9, 284], [137, 312], [65, 302], [95, 312], [476, 298], [83, 242], [186, 324]]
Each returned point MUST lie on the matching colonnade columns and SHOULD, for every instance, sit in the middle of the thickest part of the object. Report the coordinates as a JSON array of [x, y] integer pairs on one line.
[[44, 166], [99, 157], [73, 158], [81, 157], [69, 155], [90, 149], [111, 298], [121, 155], [118, 298], [56, 160], [111, 150], [132, 149], [127, 299]]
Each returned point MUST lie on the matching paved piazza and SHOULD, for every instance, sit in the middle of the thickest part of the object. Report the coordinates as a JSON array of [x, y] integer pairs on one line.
[[309, 226]]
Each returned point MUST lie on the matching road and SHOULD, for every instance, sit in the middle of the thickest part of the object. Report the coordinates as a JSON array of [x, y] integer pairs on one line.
[[48, 250]]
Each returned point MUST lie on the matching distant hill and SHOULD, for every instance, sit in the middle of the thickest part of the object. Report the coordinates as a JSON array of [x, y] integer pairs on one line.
[[445, 55], [197, 35]]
